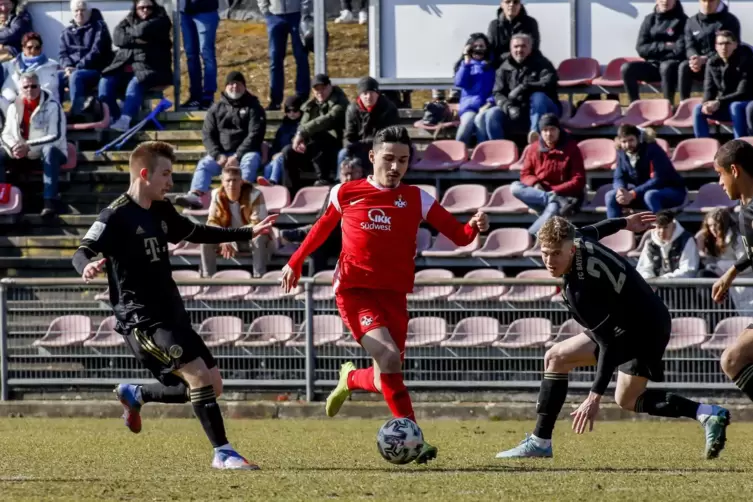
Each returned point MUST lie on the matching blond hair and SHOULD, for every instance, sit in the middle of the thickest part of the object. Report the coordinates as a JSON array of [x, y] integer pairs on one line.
[[555, 231], [145, 156]]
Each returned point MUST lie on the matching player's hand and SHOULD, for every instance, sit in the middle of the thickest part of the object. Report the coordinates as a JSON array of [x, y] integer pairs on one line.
[[93, 269], [586, 414], [289, 279], [480, 221], [640, 222], [722, 285], [227, 250], [265, 226]]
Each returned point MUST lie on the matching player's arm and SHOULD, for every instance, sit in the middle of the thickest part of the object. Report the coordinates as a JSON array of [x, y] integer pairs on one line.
[[180, 228], [722, 285], [98, 240], [638, 222], [438, 217], [317, 235]]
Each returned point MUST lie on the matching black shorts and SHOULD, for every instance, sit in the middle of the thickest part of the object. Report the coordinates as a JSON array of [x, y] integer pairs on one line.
[[162, 350]]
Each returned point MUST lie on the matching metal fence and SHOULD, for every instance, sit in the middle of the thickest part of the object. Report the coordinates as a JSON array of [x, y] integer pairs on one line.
[[463, 334]]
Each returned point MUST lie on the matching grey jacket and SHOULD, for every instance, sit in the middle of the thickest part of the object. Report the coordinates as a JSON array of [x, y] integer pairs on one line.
[[278, 7]]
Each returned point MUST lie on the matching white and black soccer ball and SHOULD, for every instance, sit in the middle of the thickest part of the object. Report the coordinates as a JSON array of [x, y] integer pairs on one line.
[[400, 440]]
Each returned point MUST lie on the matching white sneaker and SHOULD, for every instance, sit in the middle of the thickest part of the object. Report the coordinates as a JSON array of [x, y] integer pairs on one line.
[[231, 459], [346, 16], [363, 17], [122, 124]]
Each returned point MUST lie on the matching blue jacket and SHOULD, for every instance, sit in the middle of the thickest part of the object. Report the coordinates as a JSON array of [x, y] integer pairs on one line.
[[86, 47], [652, 171], [476, 81], [16, 26]]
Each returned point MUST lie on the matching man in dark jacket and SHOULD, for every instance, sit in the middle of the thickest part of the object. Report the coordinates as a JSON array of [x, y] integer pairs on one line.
[[661, 42], [85, 50], [645, 177], [700, 33], [366, 115], [15, 22], [553, 178], [525, 88], [727, 87], [512, 19], [199, 20], [233, 132], [320, 134]]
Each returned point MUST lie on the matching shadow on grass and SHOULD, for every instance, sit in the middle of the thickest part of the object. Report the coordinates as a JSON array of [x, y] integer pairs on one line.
[[526, 468]]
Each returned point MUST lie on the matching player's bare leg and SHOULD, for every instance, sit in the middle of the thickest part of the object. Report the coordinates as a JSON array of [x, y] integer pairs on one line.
[[737, 362], [558, 362]]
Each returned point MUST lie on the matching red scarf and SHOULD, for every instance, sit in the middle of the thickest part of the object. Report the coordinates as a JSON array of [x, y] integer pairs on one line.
[[362, 107], [29, 107]]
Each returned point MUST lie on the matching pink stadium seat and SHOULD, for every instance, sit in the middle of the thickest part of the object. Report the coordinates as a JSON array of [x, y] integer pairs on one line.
[[428, 293], [443, 247], [72, 159], [502, 201], [636, 253], [426, 331], [598, 153], [709, 197], [106, 336], [474, 332], [598, 204], [226, 292], [327, 329], [747, 139], [430, 189], [321, 292], [187, 292], [221, 330], [267, 330], [612, 76], [187, 249], [567, 109], [530, 293], [687, 332], [102, 124], [695, 153], [664, 145], [66, 331], [205, 199], [443, 155], [569, 329], [646, 113], [534, 252], [726, 332], [494, 155], [283, 249], [505, 243], [274, 292], [683, 116], [524, 333], [460, 199], [476, 293], [275, 197], [308, 200], [518, 165], [621, 242], [14, 204], [594, 114], [577, 71], [423, 240]]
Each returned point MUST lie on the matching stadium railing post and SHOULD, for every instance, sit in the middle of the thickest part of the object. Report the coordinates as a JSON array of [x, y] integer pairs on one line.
[[310, 351], [3, 341]]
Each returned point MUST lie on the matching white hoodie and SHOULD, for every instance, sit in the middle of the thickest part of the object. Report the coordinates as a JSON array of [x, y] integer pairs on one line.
[[689, 260], [46, 127]]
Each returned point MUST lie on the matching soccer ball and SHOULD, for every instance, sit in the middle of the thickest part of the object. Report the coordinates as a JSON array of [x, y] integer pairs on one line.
[[400, 441]]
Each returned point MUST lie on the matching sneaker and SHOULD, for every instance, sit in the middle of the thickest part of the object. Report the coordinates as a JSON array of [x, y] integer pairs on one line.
[[190, 200], [131, 406], [715, 425], [346, 16], [49, 211], [341, 393], [231, 459], [363, 17], [527, 449], [191, 104], [262, 181], [122, 124], [428, 452]]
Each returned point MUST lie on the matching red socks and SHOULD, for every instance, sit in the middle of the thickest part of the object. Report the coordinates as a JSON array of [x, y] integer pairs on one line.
[[362, 380], [396, 394]]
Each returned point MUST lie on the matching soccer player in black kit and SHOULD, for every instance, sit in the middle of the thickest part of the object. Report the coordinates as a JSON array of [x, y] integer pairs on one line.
[[627, 328], [132, 235]]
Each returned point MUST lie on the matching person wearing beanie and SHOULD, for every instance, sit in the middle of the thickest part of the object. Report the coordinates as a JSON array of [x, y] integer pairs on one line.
[[232, 134], [274, 171], [553, 178]]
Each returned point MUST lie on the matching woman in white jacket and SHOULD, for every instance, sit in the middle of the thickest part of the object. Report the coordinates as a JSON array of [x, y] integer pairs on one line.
[[31, 59]]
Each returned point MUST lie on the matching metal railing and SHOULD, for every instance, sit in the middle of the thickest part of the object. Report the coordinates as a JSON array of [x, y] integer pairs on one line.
[[463, 334]]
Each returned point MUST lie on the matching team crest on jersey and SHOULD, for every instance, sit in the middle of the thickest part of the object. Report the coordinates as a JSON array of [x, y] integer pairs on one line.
[[366, 321], [400, 202], [164, 227], [175, 351]]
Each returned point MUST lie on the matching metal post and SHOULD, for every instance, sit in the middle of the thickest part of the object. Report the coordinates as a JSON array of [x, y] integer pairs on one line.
[[320, 37], [573, 28], [3, 342], [176, 52], [310, 354]]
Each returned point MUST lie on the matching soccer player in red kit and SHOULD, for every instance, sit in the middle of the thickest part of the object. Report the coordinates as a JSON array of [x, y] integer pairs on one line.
[[380, 219]]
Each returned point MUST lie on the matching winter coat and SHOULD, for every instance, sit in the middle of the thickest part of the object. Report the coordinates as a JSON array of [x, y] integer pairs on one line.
[[46, 127], [476, 82], [700, 31], [145, 46], [535, 74], [16, 26], [48, 73], [657, 30], [327, 117], [361, 124], [234, 125], [501, 30], [193, 7], [652, 171], [86, 47], [252, 207], [280, 7], [670, 260], [559, 169], [284, 135], [729, 81]]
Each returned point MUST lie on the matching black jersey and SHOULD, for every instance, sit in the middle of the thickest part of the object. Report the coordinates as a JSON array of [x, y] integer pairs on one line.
[[745, 219]]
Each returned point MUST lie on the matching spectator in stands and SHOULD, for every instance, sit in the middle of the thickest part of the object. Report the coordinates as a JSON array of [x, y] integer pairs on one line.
[[553, 179], [661, 42], [232, 134], [474, 76], [143, 61], [727, 88], [283, 18], [366, 115], [199, 20], [274, 171], [512, 19], [524, 90], [85, 50], [645, 177], [236, 204], [670, 252], [31, 60], [346, 12], [319, 137], [700, 37], [35, 130], [15, 22]]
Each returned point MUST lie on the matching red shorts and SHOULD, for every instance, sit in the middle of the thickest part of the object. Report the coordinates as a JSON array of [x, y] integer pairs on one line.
[[367, 309]]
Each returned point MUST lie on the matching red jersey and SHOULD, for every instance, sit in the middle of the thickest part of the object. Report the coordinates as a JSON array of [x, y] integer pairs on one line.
[[379, 229]]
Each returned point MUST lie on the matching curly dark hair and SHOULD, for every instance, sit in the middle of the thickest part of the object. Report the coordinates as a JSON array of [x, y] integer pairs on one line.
[[716, 246]]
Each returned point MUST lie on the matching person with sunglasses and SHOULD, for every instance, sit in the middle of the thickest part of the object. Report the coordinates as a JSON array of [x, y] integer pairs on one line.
[[15, 22], [31, 60]]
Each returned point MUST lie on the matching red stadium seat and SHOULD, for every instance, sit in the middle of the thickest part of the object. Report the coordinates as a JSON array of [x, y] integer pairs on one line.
[[612, 76], [594, 114], [14, 204], [443, 155], [474, 332], [502, 201], [443, 247], [568, 329], [530, 293], [205, 199], [476, 293], [683, 117], [599, 202], [621, 242], [461, 199], [187, 292], [273, 292], [747, 139], [527, 332], [727, 332], [695, 153], [710, 196], [308, 200], [430, 189], [267, 331], [426, 332], [505, 243], [518, 165], [577, 71], [495, 155], [106, 336], [71, 160], [275, 197], [218, 331], [636, 253], [598, 153], [429, 293], [66, 331], [646, 113], [213, 293], [328, 329], [687, 332], [321, 292]]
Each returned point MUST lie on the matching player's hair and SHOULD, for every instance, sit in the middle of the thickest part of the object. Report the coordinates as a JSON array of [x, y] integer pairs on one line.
[[664, 218], [737, 152], [716, 246], [392, 134], [231, 170], [726, 34], [555, 231], [145, 156]]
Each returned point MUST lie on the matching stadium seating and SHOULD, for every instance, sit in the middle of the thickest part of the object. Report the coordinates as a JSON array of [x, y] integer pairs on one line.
[[227, 292], [426, 331], [709, 197], [275, 197], [283, 248], [321, 292], [187, 249], [430, 189], [495, 155], [267, 331], [460, 199], [621, 242], [273, 292], [429, 293], [502, 201], [443, 155], [726, 332], [14, 204], [443, 247], [527, 292], [527, 332], [66, 331], [664, 144], [308, 200], [636, 253], [106, 336], [473, 332], [187, 292], [592, 114], [205, 199], [423, 240], [577, 72], [598, 153], [517, 166], [646, 113], [478, 293], [568, 329], [504, 243], [683, 117], [218, 331], [598, 204], [747, 139], [695, 153], [327, 329], [687, 332], [612, 76]]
